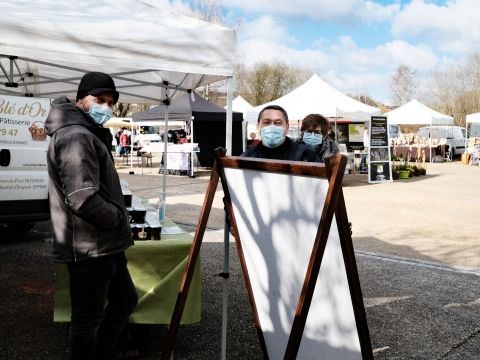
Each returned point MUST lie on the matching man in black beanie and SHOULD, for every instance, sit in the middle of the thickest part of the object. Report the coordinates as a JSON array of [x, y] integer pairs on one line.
[[89, 218]]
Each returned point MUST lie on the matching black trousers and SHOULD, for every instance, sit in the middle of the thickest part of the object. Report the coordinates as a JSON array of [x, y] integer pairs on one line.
[[102, 296]]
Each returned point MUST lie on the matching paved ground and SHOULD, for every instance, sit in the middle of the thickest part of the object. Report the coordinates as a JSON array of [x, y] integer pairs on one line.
[[417, 250], [431, 217]]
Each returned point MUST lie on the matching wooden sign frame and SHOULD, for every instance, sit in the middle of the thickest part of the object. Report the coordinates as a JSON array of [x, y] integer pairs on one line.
[[334, 205]]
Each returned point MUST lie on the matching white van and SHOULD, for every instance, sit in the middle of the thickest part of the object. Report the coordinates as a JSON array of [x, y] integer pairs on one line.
[[454, 136], [23, 162]]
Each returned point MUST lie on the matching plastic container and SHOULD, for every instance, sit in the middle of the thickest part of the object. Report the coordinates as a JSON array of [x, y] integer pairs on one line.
[[161, 211]]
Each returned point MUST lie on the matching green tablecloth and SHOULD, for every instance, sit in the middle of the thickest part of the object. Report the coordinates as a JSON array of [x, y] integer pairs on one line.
[[156, 267]]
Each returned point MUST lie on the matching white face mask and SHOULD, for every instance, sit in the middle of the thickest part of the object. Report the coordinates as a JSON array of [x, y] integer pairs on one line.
[[312, 139], [272, 136], [100, 113]]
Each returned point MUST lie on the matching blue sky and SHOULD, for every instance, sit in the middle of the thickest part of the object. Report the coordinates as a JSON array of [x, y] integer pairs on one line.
[[355, 45]]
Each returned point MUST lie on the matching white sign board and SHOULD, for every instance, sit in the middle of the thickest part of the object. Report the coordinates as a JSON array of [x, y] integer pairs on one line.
[[23, 147], [277, 217]]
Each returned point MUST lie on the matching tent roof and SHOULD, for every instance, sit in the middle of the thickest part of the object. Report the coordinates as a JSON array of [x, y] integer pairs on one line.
[[415, 113], [183, 108], [473, 118], [140, 44], [115, 122], [314, 96], [241, 105]]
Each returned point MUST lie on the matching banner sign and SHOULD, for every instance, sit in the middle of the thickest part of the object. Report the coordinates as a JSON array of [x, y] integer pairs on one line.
[[379, 164], [23, 147]]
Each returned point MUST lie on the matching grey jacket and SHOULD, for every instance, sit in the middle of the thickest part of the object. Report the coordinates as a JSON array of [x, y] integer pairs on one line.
[[88, 214], [328, 148]]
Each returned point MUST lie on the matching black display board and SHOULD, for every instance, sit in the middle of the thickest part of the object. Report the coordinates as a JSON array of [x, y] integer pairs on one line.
[[379, 165]]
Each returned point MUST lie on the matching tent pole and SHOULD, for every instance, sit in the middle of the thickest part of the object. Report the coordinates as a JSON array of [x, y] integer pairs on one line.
[[228, 127], [192, 154], [165, 142], [132, 137]]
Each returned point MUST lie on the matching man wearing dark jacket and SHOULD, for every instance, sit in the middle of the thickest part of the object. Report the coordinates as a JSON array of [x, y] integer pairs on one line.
[[275, 144], [89, 219]]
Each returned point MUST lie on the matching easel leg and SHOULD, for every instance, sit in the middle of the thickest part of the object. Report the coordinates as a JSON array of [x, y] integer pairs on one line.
[[225, 275]]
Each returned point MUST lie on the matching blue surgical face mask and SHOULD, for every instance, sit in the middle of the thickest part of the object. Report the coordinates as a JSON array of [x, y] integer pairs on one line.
[[312, 139], [272, 136], [100, 113]]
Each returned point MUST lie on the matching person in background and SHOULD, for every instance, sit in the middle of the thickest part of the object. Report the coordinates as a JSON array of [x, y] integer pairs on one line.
[[125, 142], [252, 141], [89, 219], [118, 135], [315, 132], [272, 124]]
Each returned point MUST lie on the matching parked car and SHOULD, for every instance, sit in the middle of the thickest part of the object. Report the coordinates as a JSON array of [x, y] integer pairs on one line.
[[454, 136]]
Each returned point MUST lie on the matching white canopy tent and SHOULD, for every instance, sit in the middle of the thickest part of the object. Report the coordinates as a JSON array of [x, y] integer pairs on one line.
[[153, 55], [46, 47], [415, 113], [314, 96], [239, 104]]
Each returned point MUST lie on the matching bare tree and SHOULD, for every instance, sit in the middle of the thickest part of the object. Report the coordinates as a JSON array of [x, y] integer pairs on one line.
[[456, 90], [208, 10], [366, 99], [403, 84], [126, 110], [267, 82]]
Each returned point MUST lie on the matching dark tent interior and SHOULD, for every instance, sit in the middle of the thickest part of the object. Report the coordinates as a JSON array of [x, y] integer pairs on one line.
[[209, 124], [209, 133]]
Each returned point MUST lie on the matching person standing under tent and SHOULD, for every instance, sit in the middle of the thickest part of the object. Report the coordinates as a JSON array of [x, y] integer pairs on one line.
[[125, 142], [272, 125], [118, 134], [89, 219], [315, 132]]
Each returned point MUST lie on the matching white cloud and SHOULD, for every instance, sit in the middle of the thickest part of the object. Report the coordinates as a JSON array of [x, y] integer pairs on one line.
[[252, 51], [265, 28], [341, 62], [453, 28], [368, 71], [326, 10]]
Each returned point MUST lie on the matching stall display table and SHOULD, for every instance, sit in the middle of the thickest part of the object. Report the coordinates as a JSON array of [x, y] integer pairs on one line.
[[156, 267], [179, 156], [419, 152]]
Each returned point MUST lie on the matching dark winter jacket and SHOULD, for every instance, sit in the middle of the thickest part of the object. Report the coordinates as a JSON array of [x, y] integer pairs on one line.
[[89, 217], [289, 150], [326, 149]]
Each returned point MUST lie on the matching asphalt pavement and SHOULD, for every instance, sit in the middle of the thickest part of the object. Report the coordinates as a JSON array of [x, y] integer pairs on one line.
[[422, 301]]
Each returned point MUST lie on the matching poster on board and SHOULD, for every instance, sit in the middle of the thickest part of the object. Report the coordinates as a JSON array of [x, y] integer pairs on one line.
[[379, 164]]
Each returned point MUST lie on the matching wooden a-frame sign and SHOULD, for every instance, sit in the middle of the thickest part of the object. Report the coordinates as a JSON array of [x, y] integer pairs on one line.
[[299, 270]]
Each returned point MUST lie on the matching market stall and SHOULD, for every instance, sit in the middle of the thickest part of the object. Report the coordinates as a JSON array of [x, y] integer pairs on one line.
[[416, 113], [156, 268], [472, 150], [205, 123], [179, 156], [153, 55]]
